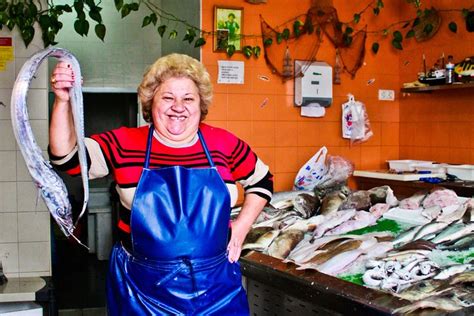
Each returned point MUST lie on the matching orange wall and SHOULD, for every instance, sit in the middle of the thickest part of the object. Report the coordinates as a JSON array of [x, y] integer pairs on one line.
[[438, 126], [278, 134]]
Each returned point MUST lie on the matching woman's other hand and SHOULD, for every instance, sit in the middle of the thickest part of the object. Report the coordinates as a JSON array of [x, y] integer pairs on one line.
[[251, 208]]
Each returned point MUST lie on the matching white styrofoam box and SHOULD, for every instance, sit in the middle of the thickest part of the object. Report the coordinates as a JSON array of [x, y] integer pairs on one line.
[[405, 164], [463, 172], [432, 167]]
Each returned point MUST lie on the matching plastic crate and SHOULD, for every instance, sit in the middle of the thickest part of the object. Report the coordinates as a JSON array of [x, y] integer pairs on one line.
[[406, 164], [463, 172]]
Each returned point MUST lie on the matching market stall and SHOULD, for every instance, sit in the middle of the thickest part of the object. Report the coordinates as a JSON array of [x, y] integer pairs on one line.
[[358, 256]]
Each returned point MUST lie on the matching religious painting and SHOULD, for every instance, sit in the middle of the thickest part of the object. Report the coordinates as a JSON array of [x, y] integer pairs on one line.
[[227, 28]]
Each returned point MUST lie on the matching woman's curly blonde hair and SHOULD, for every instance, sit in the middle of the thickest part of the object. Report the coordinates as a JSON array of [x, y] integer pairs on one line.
[[174, 66]]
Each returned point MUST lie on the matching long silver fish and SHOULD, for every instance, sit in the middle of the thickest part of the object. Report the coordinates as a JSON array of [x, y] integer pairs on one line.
[[50, 185]]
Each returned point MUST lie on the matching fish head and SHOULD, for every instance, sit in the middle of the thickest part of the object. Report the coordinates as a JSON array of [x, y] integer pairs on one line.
[[60, 208]]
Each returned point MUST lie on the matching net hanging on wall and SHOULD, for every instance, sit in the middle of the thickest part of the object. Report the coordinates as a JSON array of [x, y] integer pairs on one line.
[[304, 40]]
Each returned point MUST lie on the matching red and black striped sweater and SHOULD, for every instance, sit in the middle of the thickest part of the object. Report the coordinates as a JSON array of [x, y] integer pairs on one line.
[[121, 153]]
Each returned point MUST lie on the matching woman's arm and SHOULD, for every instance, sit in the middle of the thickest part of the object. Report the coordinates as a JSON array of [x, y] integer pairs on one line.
[[62, 138], [251, 208]]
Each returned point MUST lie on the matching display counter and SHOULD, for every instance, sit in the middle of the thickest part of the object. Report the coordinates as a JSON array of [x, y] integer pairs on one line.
[[404, 189], [277, 288]]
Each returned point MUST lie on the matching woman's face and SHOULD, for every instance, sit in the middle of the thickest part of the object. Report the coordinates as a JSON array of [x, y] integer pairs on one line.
[[176, 110]]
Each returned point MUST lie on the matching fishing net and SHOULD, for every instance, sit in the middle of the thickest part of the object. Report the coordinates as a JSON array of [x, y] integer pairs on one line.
[[282, 46]]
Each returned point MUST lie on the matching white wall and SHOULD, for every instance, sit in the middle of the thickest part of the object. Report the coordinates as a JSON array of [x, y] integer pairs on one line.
[[119, 61], [24, 222]]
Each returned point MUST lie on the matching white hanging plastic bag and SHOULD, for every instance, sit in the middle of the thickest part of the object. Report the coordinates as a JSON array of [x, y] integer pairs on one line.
[[355, 121], [312, 171]]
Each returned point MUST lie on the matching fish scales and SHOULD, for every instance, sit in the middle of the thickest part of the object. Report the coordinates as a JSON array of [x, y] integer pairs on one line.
[[50, 185]]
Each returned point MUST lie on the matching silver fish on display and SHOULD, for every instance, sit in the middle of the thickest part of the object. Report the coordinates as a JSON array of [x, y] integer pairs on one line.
[[448, 272], [50, 185], [454, 231], [462, 243]]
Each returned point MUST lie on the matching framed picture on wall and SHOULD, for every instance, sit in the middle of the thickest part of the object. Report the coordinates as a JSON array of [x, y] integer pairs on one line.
[[227, 28]]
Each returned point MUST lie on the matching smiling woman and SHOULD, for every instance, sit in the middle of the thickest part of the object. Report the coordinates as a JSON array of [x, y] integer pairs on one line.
[[176, 180]]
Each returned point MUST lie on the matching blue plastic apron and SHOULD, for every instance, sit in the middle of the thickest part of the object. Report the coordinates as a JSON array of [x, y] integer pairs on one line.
[[179, 226]]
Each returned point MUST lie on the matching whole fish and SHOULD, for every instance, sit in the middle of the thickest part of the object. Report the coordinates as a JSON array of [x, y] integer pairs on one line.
[[284, 243], [462, 243], [430, 228], [457, 214], [423, 289], [406, 236], [263, 241], [448, 272], [454, 231], [306, 204], [49, 184], [439, 302], [360, 220], [331, 202]]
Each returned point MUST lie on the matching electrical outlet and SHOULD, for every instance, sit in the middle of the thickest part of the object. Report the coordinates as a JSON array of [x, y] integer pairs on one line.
[[386, 95]]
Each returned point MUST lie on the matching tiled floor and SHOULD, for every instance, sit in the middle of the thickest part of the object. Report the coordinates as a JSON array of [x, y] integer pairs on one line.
[[79, 280]]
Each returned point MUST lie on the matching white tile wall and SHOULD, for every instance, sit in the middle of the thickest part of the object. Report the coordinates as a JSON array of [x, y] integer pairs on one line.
[[9, 258], [33, 226], [9, 227], [8, 163], [24, 220], [8, 197], [34, 257], [126, 42], [29, 199], [7, 139], [5, 97]]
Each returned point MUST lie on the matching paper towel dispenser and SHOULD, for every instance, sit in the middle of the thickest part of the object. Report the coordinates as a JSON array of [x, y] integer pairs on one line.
[[314, 86]]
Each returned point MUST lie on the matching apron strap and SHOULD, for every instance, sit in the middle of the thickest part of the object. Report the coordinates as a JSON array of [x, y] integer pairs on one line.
[[150, 141], [206, 151], [148, 146]]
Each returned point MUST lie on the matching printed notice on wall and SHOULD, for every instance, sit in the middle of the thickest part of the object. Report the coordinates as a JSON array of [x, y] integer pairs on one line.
[[6, 51], [230, 72]]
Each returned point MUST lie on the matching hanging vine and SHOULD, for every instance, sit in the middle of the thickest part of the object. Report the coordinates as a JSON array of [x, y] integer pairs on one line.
[[25, 13]]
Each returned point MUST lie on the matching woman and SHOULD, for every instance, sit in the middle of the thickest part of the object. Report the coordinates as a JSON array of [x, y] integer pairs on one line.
[[176, 179]]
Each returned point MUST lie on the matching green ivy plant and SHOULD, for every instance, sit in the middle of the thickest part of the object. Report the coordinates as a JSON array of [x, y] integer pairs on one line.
[[25, 13]]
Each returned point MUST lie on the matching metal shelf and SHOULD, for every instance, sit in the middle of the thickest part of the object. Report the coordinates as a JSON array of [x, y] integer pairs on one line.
[[439, 87]]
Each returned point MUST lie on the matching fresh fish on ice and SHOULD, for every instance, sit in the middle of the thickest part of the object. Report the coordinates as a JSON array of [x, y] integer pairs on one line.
[[413, 202], [332, 221], [430, 228], [450, 217], [360, 220], [448, 272], [382, 194], [406, 236], [306, 204], [454, 231], [462, 243], [358, 200], [284, 243], [263, 241], [438, 302], [50, 185], [442, 197], [331, 202], [431, 212]]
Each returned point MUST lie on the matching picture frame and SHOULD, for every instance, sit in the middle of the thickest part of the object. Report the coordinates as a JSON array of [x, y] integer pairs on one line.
[[228, 27]]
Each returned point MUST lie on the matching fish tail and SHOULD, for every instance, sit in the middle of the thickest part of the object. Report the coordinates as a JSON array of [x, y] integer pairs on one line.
[[79, 242]]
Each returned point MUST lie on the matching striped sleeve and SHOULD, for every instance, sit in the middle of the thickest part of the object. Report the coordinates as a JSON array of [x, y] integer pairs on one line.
[[70, 163], [251, 172]]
